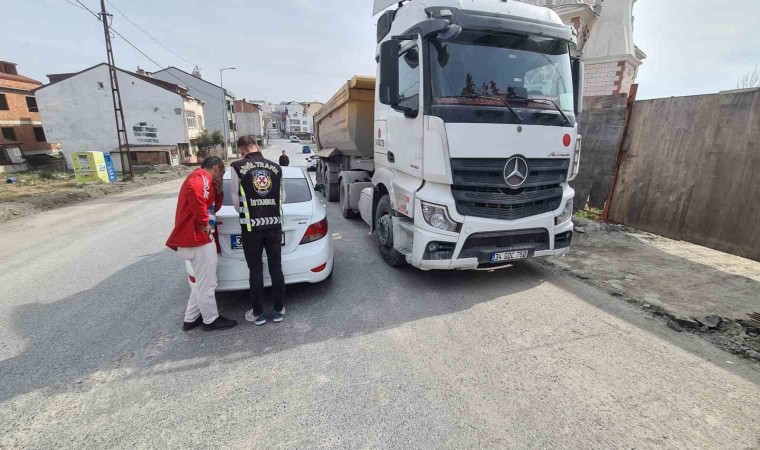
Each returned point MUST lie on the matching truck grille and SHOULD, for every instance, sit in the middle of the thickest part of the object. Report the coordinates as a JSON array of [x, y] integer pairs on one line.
[[479, 188]]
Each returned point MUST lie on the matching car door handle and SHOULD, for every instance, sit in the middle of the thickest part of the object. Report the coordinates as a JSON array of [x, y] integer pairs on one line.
[[391, 157]]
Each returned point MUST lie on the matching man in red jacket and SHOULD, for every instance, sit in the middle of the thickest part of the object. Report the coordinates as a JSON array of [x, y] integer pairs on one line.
[[199, 199]]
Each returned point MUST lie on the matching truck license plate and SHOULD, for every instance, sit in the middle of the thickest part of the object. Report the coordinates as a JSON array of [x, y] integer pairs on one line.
[[237, 243], [510, 256]]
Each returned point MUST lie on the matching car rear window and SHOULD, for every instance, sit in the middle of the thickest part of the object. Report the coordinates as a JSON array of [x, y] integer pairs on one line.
[[296, 191]]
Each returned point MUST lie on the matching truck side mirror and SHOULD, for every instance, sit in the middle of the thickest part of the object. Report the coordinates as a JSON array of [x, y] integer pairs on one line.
[[388, 93], [577, 69]]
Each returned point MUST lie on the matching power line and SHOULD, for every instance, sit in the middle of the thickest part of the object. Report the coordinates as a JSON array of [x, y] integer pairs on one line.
[[73, 4], [118, 34], [83, 6], [149, 35]]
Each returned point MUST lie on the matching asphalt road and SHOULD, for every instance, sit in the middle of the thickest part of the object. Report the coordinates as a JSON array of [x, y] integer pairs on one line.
[[92, 354]]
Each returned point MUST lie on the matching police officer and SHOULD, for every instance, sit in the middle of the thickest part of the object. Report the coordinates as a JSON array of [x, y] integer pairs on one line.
[[256, 188]]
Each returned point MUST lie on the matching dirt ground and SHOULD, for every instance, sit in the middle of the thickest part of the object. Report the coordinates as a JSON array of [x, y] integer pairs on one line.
[[33, 194], [693, 288]]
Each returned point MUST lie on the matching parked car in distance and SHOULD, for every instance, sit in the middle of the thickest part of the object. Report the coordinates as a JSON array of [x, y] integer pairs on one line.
[[307, 247], [306, 149], [311, 163], [294, 139]]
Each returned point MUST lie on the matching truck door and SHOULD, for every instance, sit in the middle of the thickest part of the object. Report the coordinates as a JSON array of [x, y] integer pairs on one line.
[[405, 130]]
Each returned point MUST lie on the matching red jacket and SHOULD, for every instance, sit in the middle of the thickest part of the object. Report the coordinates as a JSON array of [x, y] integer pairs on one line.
[[196, 197]]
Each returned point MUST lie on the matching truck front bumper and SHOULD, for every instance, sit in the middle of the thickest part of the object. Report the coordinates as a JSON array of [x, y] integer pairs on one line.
[[479, 239]]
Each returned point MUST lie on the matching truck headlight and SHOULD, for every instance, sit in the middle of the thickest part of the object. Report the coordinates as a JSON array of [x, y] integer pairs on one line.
[[566, 213], [437, 216]]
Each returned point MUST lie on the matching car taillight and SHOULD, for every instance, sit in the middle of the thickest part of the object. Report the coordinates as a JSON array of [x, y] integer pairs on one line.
[[191, 278], [319, 268], [315, 232]]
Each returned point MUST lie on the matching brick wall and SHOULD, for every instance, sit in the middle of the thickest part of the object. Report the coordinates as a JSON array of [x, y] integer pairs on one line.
[[18, 115], [608, 78]]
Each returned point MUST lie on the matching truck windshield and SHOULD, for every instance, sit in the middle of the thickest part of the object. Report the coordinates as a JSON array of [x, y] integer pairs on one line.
[[485, 70]]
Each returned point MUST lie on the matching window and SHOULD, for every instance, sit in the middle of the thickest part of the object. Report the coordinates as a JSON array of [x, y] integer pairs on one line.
[[409, 79], [296, 191], [39, 134], [3, 103], [31, 104], [200, 122], [9, 133], [192, 122]]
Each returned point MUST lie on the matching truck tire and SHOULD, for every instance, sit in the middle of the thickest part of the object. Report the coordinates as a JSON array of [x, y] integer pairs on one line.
[[345, 206], [384, 233], [331, 192]]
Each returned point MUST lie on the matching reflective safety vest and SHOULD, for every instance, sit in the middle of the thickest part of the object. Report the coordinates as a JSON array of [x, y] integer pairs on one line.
[[260, 188]]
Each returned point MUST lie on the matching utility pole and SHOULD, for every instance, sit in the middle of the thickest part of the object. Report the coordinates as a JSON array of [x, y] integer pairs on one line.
[[225, 116], [121, 128]]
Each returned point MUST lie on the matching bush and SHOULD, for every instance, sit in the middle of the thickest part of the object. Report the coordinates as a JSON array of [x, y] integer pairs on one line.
[[46, 175]]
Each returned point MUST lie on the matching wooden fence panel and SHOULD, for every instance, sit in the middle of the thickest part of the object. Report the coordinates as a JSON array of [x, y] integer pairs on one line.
[[691, 169], [601, 126]]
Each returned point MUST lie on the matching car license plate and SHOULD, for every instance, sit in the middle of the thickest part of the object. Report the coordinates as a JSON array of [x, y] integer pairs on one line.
[[510, 256], [237, 243]]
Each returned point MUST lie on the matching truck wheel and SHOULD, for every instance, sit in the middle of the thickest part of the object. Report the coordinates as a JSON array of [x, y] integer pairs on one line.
[[345, 206], [331, 191], [384, 232]]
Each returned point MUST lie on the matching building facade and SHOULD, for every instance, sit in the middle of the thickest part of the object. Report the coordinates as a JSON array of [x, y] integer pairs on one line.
[[295, 118], [250, 119], [218, 102], [311, 109], [605, 36], [20, 121], [79, 115]]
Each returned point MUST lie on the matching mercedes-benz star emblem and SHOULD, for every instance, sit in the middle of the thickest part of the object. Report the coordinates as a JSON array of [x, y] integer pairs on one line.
[[516, 172]]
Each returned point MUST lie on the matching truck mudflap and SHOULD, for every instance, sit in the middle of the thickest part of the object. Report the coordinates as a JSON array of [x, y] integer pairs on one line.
[[367, 207]]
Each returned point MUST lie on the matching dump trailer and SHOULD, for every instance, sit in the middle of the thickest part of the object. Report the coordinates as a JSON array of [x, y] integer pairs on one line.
[[459, 152], [344, 129]]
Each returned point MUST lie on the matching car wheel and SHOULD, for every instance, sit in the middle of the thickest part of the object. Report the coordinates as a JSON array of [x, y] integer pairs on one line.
[[384, 232], [345, 206]]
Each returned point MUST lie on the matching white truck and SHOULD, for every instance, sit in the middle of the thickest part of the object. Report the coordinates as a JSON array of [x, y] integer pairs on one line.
[[459, 155]]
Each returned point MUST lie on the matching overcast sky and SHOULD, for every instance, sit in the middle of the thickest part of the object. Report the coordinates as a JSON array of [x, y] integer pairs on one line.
[[305, 49]]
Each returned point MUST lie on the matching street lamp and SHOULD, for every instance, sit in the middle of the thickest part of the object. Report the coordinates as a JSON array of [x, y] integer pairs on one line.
[[225, 118]]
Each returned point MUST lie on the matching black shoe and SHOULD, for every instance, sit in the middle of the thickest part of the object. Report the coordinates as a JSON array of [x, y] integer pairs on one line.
[[187, 326], [221, 323]]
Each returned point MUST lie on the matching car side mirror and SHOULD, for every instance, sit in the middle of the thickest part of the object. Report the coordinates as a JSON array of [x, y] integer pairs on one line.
[[577, 70], [320, 188], [388, 93]]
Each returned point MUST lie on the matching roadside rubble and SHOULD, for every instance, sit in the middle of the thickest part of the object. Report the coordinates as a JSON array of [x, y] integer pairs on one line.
[[691, 288], [27, 205]]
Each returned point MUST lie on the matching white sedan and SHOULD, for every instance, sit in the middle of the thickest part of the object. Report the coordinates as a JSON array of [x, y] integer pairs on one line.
[[311, 162], [307, 247]]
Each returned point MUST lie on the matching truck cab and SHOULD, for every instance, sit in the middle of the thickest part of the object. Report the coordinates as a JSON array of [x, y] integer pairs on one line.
[[475, 134]]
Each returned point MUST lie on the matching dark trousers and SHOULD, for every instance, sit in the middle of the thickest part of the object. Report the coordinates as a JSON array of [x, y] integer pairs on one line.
[[253, 243]]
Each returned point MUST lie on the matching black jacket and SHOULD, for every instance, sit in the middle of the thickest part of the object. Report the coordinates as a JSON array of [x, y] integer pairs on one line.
[[260, 185], [284, 160]]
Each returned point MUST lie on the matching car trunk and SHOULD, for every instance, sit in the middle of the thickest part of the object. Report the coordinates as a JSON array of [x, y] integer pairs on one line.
[[296, 219]]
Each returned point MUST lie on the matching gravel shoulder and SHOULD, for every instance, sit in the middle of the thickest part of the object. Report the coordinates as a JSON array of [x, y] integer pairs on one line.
[[692, 288], [45, 196]]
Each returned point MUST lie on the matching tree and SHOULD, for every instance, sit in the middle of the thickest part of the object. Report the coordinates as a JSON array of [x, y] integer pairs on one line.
[[206, 142], [750, 79]]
